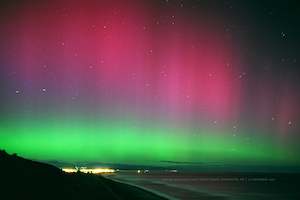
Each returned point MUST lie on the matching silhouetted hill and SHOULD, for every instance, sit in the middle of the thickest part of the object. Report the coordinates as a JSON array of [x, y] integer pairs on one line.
[[25, 179]]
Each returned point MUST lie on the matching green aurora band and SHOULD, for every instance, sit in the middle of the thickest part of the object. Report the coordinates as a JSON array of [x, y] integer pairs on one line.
[[126, 142]]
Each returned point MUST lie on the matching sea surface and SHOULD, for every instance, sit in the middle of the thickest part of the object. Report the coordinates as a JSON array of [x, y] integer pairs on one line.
[[214, 186]]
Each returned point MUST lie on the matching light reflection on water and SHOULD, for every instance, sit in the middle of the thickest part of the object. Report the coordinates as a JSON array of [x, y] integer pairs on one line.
[[235, 186]]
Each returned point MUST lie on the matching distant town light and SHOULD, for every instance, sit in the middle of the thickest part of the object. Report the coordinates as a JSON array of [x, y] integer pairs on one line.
[[89, 170], [69, 170]]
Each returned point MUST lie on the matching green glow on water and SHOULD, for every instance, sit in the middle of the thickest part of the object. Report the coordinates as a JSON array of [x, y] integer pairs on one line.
[[125, 142]]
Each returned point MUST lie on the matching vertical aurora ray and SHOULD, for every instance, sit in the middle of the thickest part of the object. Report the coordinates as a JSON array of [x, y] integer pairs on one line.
[[140, 82]]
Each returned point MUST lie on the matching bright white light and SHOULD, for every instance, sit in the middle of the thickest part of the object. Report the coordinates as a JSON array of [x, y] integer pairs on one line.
[[97, 170], [69, 170], [89, 170]]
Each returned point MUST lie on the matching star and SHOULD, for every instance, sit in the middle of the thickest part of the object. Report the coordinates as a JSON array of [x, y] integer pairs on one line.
[[283, 35], [17, 91], [242, 75], [44, 90]]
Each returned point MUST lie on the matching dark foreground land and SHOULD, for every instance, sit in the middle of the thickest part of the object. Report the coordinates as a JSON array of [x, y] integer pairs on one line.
[[25, 179]]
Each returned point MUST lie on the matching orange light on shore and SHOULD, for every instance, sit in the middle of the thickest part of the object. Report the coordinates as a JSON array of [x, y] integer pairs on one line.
[[89, 170]]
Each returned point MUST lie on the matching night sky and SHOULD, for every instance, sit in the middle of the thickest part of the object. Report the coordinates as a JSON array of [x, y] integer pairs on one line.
[[151, 81]]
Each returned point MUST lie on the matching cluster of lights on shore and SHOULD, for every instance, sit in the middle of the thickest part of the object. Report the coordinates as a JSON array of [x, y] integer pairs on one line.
[[89, 170], [104, 170]]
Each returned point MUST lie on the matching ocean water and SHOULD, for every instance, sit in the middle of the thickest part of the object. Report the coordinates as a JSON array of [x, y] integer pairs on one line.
[[210, 186]]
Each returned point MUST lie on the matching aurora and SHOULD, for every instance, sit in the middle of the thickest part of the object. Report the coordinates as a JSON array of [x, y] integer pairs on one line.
[[141, 82]]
